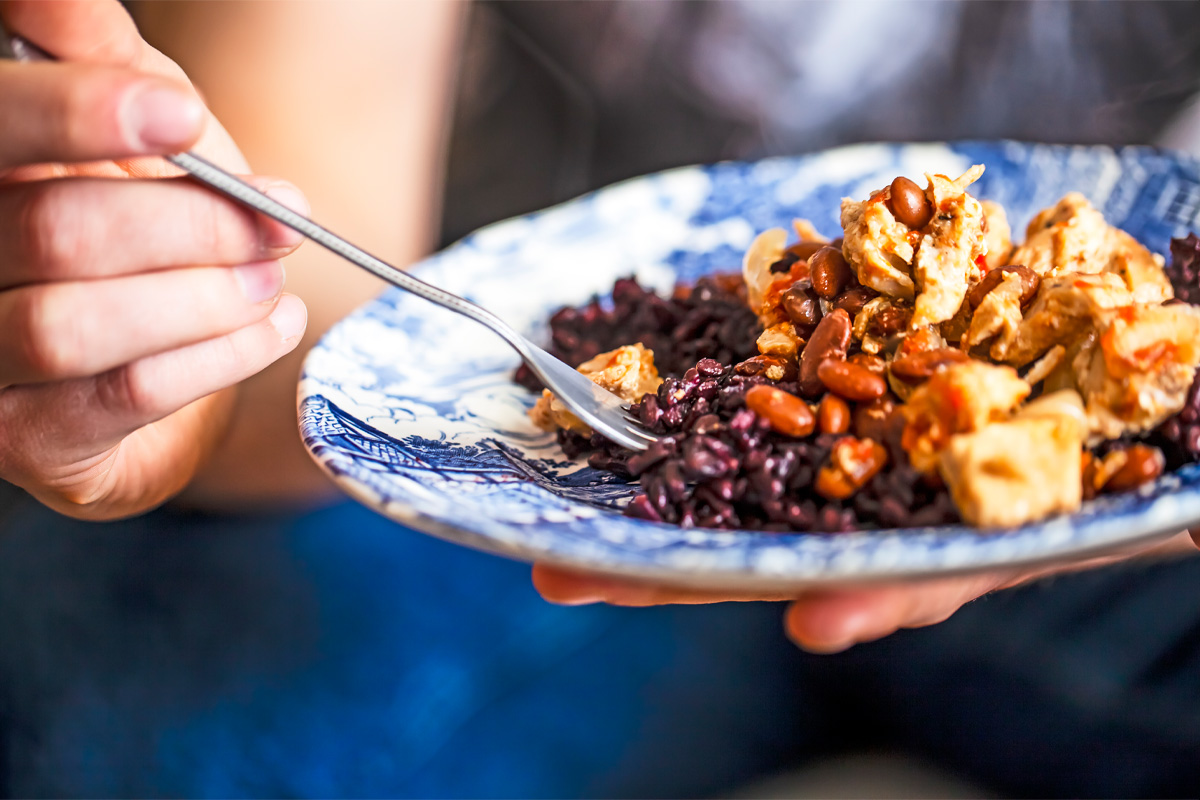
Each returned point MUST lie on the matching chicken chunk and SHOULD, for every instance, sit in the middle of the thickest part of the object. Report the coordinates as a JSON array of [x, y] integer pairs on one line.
[[999, 312], [1072, 236], [1013, 472], [628, 372], [959, 399], [1141, 270], [931, 267], [1065, 310], [947, 261], [780, 339], [1136, 372], [878, 246], [997, 234]]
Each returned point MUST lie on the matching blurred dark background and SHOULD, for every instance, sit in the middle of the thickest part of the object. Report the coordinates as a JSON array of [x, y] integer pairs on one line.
[[555, 98]]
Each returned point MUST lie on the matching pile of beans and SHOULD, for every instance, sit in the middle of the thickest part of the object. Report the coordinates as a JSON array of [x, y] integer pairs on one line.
[[707, 320]]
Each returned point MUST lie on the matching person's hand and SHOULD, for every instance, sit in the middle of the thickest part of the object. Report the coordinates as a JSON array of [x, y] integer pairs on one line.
[[831, 620], [130, 298]]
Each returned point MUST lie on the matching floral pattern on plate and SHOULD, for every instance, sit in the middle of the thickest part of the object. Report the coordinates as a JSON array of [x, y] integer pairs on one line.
[[412, 410]]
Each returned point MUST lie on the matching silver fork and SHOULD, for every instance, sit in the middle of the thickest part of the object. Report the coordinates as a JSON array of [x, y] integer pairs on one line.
[[601, 409]]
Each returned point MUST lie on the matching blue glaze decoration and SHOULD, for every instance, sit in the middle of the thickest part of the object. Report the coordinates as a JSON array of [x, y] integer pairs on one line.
[[411, 409]]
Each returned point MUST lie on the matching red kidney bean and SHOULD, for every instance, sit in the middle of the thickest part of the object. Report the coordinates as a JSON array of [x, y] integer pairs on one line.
[[775, 368], [786, 413], [829, 341], [852, 300], [851, 381], [801, 305], [873, 364], [833, 415], [871, 419], [1143, 464], [830, 272], [909, 203], [919, 366], [889, 321]]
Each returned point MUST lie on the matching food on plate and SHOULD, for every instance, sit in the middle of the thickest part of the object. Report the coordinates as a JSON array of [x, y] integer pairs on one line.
[[921, 368], [628, 372]]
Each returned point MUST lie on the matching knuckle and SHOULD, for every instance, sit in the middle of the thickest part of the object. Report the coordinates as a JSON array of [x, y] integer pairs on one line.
[[49, 233], [220, 229], [48, 338], [75, 106], [129, 390]]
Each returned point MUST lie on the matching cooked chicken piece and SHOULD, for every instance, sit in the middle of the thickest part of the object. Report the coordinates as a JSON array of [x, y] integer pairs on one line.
[[932, 267], [1072, 236], [1141, 270], [878, 246], [947, 261], [1137, 371], [807, 232], [1064, 404], [1013, 472], [996, 233], [779, 340], [765, 250], [959, 399], [628, 372], [998, 313], [1065, 309], [1046, 366]]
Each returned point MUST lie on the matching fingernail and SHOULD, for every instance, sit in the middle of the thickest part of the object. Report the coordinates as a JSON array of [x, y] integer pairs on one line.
[[289, 318], [260, 282], [577, 600], [289, 196], [162, 118], [827, 648]]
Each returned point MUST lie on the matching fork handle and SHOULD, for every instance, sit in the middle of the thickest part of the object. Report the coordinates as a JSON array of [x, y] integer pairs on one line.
[[204, 171]]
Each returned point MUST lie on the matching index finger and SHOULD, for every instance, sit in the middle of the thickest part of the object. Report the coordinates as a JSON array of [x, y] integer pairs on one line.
[[89, 31], [70, 112]]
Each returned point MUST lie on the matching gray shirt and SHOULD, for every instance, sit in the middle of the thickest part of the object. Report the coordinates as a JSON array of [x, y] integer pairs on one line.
[[559, 98]]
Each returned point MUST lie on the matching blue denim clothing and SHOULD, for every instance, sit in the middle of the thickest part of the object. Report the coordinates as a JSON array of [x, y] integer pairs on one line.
[[336, 654]]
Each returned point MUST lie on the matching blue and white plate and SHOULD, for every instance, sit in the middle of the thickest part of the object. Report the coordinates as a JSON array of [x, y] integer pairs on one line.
[[411, 409]]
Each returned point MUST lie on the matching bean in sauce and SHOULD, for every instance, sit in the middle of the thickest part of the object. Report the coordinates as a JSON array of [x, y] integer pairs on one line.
[[909, 203]]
